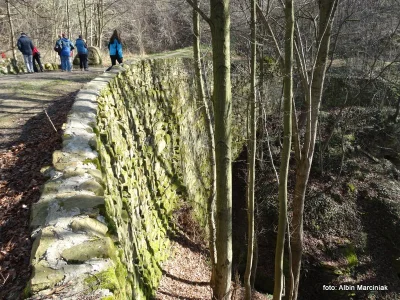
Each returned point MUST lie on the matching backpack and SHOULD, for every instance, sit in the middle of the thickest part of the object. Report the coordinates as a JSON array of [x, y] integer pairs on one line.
[[57, 48]]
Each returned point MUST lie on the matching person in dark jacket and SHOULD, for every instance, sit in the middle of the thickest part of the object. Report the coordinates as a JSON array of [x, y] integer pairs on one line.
[[115, 48], [66, 47], [36, 59], [25, 45], [81, 47]]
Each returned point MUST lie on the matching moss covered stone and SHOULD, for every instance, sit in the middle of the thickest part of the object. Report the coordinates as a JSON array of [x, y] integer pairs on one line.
[[89, 225], [43, 241], [97, 248], [84, 202], [45, 277]]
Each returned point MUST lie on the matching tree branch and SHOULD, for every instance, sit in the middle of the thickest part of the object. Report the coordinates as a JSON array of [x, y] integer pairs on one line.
[[266, 23], [201, 13]]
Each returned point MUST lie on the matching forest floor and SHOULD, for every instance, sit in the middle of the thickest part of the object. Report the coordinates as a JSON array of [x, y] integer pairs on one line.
[[351, 211], [186, 274]]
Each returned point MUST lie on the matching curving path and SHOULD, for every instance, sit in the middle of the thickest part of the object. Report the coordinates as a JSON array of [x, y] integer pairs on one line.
[[27, 95]]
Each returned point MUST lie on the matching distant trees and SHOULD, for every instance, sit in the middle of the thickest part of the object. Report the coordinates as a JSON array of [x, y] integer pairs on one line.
[[146, 27], [367, 40]]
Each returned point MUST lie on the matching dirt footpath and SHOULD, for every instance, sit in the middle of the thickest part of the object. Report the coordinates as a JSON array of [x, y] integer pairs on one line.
[[27, 141], [25, 96]]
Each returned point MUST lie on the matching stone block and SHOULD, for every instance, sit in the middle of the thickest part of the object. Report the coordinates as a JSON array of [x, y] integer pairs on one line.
[[43, 241], [97, 248], [44, 277], [83, 202], [89, 225], [39, 213]]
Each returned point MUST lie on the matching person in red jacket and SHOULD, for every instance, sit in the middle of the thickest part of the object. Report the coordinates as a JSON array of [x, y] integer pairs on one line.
[[36, 58]]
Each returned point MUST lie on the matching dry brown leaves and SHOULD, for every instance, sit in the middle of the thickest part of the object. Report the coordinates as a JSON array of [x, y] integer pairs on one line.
[[20, 184]]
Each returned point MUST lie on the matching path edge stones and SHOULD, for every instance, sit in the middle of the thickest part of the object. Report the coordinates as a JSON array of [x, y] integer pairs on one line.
[[72, 251]]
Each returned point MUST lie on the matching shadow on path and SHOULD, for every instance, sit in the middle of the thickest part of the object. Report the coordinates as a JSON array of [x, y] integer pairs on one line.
[[20, 184]]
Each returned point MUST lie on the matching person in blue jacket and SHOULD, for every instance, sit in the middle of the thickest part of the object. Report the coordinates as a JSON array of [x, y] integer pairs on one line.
[[65, 53], [81, 47], [115, 48]]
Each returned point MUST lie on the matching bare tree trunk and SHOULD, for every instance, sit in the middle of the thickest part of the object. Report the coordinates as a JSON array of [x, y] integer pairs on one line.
[[255, 257], [222, 98], [68, 20], [313, 87], [12, 38], [210, 133], [262, 121], [100, 22], [55, 30], [302, 175], [79, 18], [85, 20], [287, 137], [140, 41], [91, 24], [251, 155]]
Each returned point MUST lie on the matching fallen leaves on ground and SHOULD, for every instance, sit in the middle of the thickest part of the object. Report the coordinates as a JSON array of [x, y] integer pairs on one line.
[[20, 185]]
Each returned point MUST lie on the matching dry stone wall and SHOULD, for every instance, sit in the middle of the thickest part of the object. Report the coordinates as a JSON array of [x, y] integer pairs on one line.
[[151, 134], [7, 68], [134, 149]]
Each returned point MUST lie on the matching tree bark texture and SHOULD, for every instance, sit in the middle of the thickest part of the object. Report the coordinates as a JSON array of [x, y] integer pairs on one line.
[[287, 137], [222, 100], [12, 39], [210, 133], [313, 87], [251, 155]]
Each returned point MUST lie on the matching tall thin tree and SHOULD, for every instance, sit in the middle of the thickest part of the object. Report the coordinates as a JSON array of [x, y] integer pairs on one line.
[[210, 132], [219, 22], [285, 155], [12, 34], [222, 99], [251, 154], [312, 79]]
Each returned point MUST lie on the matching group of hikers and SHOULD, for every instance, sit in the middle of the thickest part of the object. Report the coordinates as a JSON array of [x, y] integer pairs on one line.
[[65, 49]]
